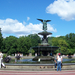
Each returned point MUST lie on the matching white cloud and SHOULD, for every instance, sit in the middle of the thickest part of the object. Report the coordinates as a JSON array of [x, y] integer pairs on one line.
[[58, 35], [24, 22], [28, 18], [14, 27], [50, 28], [63, 8]]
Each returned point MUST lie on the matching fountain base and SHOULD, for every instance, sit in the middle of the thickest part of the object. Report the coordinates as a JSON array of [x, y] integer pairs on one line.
[[43, 58]]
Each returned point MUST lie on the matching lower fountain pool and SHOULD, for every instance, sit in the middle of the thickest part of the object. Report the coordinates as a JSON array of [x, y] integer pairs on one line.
[[43, 62]]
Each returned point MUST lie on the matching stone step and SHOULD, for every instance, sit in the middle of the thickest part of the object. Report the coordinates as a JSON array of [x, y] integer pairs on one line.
[[41, 69]]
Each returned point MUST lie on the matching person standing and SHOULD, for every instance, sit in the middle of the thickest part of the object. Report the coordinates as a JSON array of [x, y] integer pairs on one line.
[[1, 58], [59, 61]]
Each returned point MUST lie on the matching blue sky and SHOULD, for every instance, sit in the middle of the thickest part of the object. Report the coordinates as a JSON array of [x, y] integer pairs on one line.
[[19, 17]]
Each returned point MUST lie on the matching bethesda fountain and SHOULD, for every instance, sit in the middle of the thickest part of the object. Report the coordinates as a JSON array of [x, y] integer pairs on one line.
[[44, 51]]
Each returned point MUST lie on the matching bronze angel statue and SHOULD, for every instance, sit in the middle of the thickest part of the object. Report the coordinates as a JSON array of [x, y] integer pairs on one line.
[[44, 23]]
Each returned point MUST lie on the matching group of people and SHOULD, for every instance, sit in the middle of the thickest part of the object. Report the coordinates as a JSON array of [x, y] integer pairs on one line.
[[18, 56], [58, 61]]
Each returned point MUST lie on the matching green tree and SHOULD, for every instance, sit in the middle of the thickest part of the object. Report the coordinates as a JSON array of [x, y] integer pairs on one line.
[[70, 38], [24, 44], [10, 45], [50, 40], [31, 51], [62, 44], [35, 39], [1, 40], [55, 42]]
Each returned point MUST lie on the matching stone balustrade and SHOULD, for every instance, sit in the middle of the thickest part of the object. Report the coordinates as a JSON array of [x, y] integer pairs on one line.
[[38, 67]]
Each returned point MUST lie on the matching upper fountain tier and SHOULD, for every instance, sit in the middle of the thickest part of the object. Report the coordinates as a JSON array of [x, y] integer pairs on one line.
[[44, 39], [45, 33]]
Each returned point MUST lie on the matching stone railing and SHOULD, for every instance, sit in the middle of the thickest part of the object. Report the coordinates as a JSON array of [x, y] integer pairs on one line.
[[38, 67]]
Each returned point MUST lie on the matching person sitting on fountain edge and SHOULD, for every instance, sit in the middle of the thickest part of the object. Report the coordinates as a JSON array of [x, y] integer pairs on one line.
[[55, 60]]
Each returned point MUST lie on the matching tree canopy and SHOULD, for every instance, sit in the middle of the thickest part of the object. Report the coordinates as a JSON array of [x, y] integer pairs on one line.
[[12, 44]]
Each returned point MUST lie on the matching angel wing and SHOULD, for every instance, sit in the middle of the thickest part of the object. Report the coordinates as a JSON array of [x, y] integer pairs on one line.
[[48, 20], [40, 20]]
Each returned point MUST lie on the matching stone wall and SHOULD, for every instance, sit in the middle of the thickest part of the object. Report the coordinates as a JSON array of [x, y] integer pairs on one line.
[[36, 67]]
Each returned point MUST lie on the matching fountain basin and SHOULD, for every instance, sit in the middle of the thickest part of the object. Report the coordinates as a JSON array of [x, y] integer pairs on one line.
[[43, 58]]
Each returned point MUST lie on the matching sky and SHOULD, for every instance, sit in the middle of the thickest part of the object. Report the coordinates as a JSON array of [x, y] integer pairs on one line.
[[19, 17]]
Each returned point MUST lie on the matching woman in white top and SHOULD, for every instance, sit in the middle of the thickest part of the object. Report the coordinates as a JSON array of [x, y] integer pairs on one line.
[[59, 61], [1, 58]]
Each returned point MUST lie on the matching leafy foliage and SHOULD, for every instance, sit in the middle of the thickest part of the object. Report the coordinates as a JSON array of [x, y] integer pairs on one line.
[[9, 45], [35, 39], [12, 44], [1, 41], [24, 44]]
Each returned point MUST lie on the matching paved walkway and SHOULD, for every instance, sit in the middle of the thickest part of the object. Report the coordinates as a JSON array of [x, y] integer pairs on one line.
[[67, 72]]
